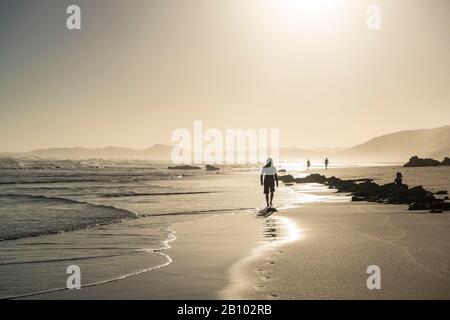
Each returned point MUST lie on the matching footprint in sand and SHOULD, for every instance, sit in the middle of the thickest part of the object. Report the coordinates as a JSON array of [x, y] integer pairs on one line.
[[272, 296]]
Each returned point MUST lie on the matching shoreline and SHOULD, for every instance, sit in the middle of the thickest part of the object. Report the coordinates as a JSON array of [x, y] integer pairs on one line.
[[318, 250], [203, 252]]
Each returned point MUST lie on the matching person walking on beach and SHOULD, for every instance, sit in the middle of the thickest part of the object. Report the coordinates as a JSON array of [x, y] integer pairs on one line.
[[308, 164], [326, 163], [268, 179]]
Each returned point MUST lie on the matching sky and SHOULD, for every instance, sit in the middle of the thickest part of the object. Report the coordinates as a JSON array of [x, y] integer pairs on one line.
[[138, 70]]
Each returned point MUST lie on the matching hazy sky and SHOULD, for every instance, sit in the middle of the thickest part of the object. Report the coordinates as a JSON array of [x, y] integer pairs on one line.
[[140, 69]]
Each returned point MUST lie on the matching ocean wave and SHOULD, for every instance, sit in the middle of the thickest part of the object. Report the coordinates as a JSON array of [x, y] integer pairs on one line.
[[165, 245], [119, 215], [136, 194]]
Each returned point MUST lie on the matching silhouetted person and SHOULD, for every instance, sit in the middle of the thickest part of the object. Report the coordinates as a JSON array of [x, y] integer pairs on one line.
[[308, 164], [399, 181], [326, 163], [268, 179]]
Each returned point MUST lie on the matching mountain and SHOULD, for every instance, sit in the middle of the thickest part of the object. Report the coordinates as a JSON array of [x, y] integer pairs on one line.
[[394, 147], [400, 146]]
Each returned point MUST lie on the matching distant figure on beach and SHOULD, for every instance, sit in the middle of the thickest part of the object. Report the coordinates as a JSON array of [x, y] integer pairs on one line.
[[308, 164], [268, 179], [399, 181], [326, 163]]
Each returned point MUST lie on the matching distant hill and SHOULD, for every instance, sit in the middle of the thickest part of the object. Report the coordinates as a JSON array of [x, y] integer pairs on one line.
[[400, 146], [155, 152], [394, 147]]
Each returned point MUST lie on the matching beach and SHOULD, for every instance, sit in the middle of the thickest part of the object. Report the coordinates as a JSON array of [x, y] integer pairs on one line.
[[315, 256], [336, 245], [319, 244]]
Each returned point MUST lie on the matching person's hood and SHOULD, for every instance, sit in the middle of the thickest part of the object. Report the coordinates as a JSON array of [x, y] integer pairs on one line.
[[269, 160]]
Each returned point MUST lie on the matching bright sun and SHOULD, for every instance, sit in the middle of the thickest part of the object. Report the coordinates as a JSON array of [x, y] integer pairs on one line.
[[292, 11]]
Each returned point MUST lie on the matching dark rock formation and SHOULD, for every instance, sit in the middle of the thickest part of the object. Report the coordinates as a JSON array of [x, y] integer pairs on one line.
[[446, 161], [419, 162], [184, 167], [211, 168], [286, 178], [312, 178], [282, 170], [416, 198], [441, 192]]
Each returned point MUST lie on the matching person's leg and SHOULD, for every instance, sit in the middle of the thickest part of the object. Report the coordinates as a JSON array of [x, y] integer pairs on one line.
[[271, 197], [267, 199]]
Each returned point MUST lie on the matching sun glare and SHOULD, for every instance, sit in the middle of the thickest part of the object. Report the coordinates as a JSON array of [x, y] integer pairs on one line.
[[296, 12]]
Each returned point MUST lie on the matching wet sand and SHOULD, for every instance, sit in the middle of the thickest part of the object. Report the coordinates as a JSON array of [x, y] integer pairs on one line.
[[337, 242]]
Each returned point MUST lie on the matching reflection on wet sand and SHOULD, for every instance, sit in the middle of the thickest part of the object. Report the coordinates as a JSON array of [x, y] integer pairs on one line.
[[280, 230]]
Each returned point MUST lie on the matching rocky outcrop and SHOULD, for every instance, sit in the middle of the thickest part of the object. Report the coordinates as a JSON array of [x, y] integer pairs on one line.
[[184, 167], [419, 162], [209, 167], [286, 178], [312, 178], [446, 161], [416, 198]]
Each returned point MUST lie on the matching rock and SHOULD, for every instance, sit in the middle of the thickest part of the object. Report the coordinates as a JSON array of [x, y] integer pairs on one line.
[[184, 167], [416, 198], [362, 180], [419, 162], [442, 192], [341, 185], [446, 198], [440, 205], [437, 211], [286, 179], [211, 168], [312, 178], [418, 206], [282, 170], [419, 194], [446, 161]]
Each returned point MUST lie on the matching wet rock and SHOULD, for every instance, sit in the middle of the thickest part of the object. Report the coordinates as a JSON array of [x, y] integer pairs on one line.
[[312, 178], [209, 167], [184, 167], [416, 198], [286, 178], [446, 161], [442, 192]]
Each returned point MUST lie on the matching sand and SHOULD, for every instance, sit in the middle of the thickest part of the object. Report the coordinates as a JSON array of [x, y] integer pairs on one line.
[[317, 251], [337, 242]]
